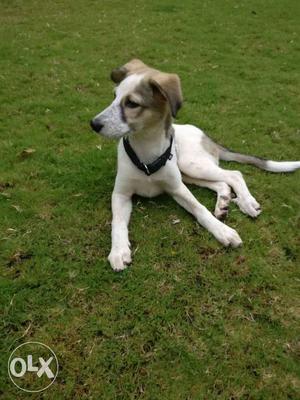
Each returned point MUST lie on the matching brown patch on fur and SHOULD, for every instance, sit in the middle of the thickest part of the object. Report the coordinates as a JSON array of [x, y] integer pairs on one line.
[[168, 85], [132, 67], [168, 126], [135, 66], [153, 107]]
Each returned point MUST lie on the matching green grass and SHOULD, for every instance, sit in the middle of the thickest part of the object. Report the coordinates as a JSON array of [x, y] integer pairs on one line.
[[189, 319]]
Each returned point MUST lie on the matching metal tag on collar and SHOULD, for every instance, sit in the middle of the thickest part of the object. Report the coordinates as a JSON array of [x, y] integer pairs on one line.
[[170, 156], [146, 169]]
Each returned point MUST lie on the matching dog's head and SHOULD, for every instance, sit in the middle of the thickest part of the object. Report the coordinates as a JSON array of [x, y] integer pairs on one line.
[[144, 98]]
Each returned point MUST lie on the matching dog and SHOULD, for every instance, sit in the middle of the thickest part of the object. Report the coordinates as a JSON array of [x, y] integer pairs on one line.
[[156, 156]]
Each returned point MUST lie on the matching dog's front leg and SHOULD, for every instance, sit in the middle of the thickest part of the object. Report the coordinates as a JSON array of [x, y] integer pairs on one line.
[[120, 254], [223, 233]]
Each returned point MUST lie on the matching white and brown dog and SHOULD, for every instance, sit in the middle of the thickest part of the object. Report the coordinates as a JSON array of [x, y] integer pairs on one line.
[[157, 156]]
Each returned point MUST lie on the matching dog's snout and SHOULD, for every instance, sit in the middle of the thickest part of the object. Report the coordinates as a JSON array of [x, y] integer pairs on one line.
[[96, 125]]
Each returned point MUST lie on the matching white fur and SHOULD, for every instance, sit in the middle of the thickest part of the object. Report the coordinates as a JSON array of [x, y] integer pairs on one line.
[[114, 126], [282, 166]]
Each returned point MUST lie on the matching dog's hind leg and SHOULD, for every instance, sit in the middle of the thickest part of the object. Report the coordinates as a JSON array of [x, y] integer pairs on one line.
[[208, 170], [223, 194]]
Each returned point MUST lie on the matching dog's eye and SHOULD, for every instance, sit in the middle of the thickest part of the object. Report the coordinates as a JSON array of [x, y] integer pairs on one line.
[[131, 104]]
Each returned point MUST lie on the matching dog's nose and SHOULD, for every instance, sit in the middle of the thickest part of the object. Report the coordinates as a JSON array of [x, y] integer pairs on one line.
[[96, 126]]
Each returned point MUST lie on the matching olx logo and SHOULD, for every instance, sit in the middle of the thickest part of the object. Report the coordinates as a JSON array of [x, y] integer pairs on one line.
[[33, 366]]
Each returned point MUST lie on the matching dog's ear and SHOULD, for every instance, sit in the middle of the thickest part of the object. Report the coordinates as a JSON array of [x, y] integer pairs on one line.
[[169, 87], [135, 65], [118, 74]]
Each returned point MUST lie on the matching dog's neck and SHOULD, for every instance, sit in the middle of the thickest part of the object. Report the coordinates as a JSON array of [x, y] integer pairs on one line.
[[151, 143]]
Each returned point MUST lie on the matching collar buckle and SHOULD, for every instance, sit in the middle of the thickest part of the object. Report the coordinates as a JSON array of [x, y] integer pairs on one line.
[[146, 169]]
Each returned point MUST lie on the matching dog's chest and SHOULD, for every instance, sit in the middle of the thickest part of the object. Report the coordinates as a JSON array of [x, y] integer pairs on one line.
[[147, 187]]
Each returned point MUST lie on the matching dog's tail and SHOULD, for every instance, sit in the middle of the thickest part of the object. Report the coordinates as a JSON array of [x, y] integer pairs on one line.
[[267, 165]]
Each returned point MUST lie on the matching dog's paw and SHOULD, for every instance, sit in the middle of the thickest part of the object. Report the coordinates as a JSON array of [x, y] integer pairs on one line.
[[227, 236], [248, 205], [119, 258], [221, 213], [222, 207]]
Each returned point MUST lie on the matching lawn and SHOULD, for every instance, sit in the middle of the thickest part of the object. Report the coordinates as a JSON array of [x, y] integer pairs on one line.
[[188, 319]]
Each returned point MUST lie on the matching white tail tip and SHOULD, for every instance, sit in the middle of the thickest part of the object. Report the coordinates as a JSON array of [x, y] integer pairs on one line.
[[282, 166]]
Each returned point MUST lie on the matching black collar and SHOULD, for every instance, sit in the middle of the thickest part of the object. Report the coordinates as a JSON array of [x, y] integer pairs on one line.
[[153, 167]]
